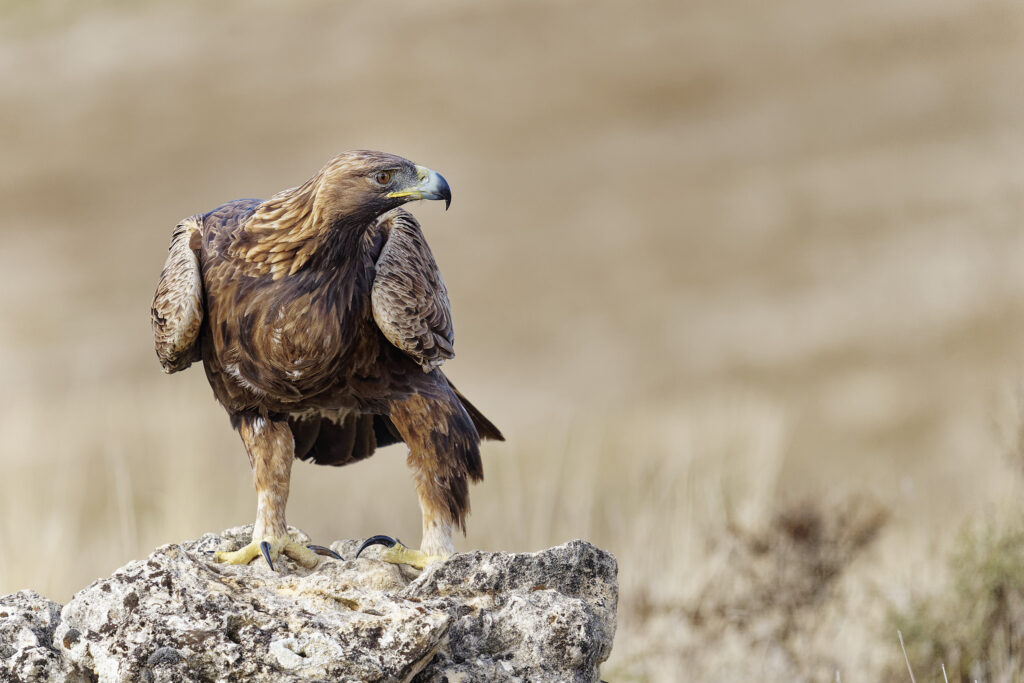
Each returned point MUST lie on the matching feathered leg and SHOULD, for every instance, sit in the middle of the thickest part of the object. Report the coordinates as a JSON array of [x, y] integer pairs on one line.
[[271, 449], [444, 454]]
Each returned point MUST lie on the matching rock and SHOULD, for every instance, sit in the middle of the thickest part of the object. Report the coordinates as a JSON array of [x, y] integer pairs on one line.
[[539, 616], [27, 653], [178, 616]]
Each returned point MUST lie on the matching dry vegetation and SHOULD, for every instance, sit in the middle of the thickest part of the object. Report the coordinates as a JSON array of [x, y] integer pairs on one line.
[[974, 625], [740, 282]]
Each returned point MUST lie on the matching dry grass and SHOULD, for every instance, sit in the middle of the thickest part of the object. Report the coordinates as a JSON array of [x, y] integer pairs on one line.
[[710, 262], [974, 625], [971, 626]]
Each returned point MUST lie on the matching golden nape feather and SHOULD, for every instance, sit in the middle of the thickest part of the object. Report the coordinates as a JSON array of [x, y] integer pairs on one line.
[[177, 312], [283, 232], [321, 320]]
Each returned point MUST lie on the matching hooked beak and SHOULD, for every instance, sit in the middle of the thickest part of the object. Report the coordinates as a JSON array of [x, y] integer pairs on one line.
[[431, 185]]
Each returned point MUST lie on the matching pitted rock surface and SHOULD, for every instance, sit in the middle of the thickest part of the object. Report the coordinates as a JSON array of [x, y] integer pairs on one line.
[[27, 652], [179, 616]]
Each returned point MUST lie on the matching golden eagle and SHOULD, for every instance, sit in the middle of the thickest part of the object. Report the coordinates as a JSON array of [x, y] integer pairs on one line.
[[321, 320]]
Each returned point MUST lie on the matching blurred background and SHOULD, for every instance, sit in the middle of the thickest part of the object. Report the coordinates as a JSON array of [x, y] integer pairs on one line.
[[708, 262]]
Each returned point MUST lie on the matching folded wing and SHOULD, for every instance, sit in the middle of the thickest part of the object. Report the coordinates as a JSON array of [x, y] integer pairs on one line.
[[177, 312], [410, 302]]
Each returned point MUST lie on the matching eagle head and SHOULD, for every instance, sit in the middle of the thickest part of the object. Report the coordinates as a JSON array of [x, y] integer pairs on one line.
[[362, 184], [343, 198]]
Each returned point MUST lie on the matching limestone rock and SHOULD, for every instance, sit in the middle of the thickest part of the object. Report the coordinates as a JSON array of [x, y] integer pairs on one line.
[[27, 622], [179, 616], [539, 616]]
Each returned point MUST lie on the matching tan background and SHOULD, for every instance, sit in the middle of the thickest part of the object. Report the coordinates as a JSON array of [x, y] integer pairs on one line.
[[704, 257]]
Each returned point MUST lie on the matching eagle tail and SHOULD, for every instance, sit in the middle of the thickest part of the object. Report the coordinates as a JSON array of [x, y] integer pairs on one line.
[[328, 442], [484, 427]]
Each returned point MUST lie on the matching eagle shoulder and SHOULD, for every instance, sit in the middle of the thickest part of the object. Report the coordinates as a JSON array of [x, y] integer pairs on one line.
[[408, 297], [177, 311]]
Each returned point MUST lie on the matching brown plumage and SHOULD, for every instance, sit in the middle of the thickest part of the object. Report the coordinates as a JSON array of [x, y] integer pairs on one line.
[[321, 319]]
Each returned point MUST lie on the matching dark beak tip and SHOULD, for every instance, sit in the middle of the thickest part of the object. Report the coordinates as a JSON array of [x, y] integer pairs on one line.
[[446, 192]]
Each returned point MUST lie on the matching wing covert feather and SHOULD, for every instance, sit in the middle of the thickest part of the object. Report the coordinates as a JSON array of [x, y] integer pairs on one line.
[[410, 302], [177, 311]]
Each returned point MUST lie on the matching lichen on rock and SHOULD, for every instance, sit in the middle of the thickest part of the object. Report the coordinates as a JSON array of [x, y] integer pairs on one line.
[[179, 616]]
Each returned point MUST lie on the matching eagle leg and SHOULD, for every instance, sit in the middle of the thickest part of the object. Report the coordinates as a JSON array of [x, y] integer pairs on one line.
[[443, 454], [437, 537], [271, 449]]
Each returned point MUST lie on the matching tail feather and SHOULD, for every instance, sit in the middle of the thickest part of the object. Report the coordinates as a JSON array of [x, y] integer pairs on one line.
[[484, 427], [328, 442]]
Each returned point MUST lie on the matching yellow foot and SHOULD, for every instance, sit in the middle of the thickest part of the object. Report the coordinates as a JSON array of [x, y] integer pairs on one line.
[[397, 553], [271, 548]]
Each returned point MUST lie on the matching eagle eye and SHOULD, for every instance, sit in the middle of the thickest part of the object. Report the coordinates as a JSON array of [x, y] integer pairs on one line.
[[383, 177]]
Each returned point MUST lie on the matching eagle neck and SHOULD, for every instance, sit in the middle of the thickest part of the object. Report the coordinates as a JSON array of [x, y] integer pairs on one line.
[[346, 256]]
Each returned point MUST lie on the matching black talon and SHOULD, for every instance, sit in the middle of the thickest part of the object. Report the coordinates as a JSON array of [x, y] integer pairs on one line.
[[385, 541], [265, 547], [322, 550]]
